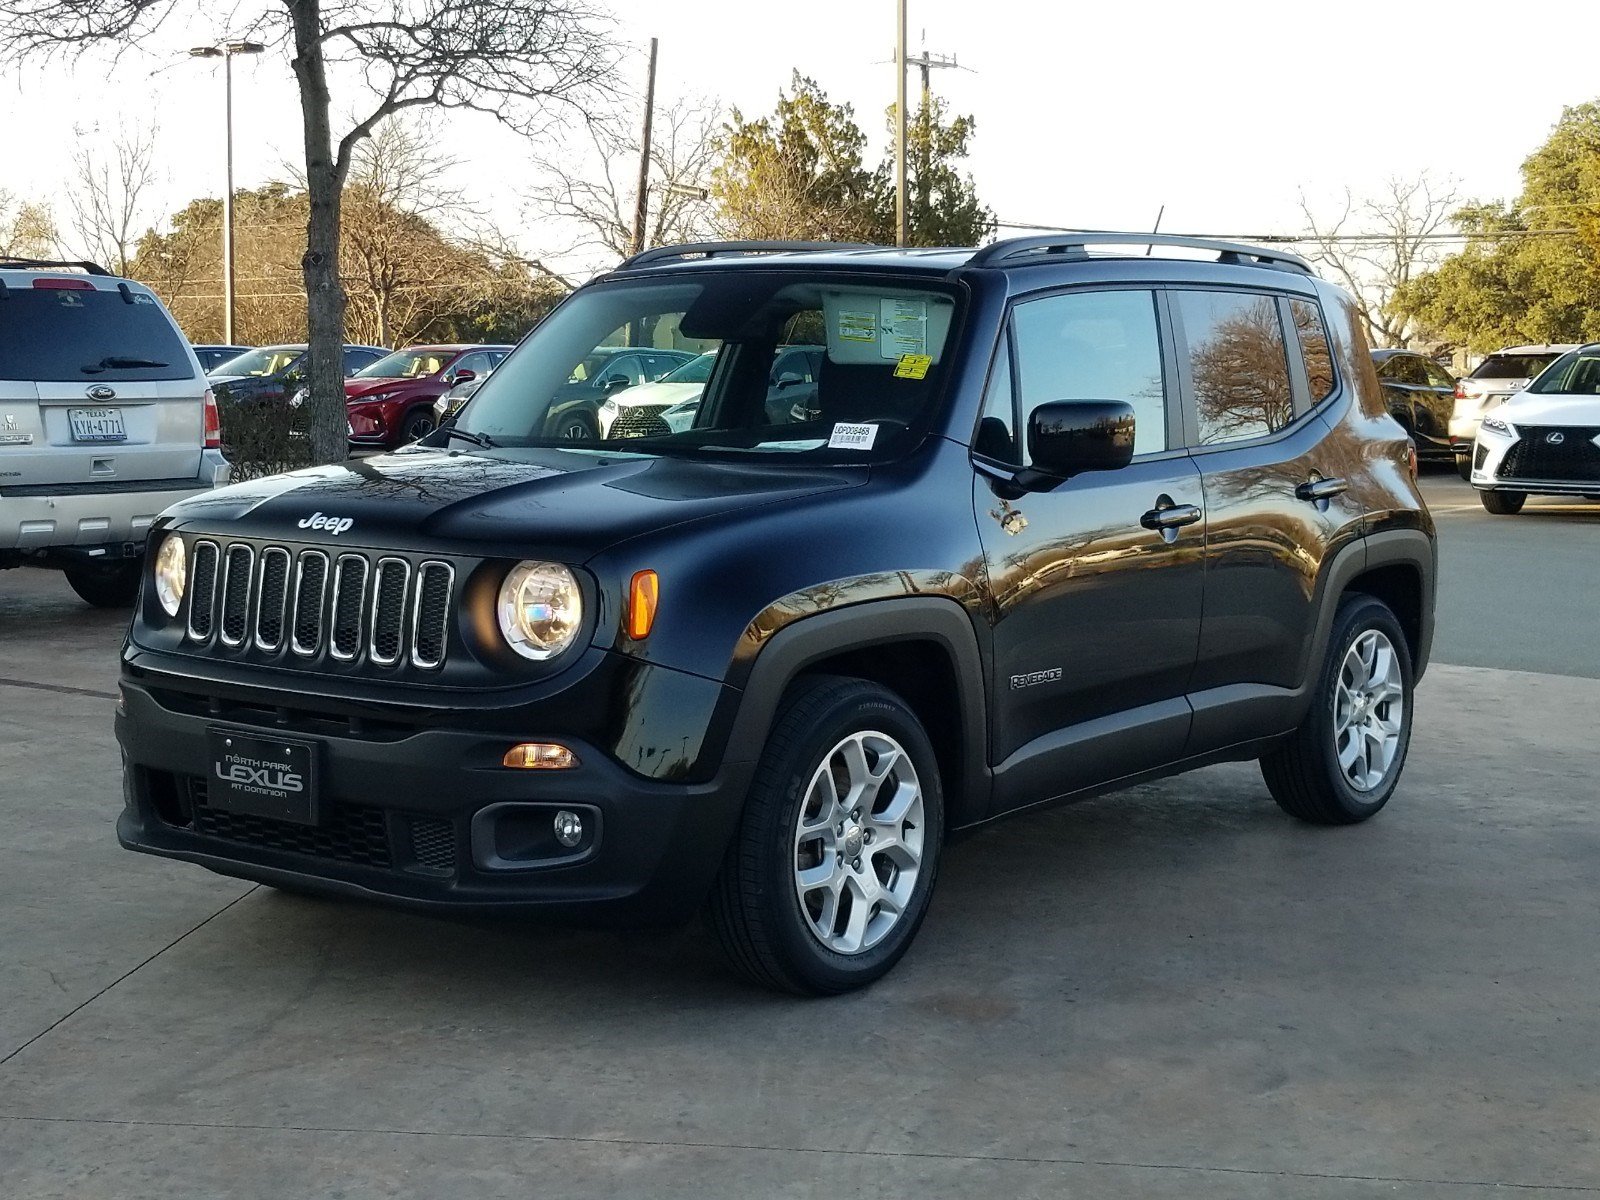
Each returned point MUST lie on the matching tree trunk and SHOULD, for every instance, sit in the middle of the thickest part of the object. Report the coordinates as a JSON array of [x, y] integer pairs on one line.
[[320, 265]]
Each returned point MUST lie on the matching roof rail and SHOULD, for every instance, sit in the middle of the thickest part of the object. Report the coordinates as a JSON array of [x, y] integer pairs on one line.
[[711, 249], [1074, 244], [87, 268]]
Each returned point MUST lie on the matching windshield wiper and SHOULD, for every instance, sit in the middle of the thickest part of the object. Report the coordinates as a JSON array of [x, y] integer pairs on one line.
[[477, 439], [117, 362]]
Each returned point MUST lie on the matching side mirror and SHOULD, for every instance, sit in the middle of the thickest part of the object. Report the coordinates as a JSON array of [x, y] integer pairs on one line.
[[462, 376], [1069, 437], [614, 383], [787, 379]]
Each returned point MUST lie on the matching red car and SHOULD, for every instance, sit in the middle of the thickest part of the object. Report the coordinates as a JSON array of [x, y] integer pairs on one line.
[[390, 403]]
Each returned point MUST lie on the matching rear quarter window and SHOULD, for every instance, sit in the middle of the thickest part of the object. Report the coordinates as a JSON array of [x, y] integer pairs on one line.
[[52, 335]]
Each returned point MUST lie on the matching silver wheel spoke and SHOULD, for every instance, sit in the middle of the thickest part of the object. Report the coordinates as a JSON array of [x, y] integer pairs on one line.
[[811, 879], [1369, 710]]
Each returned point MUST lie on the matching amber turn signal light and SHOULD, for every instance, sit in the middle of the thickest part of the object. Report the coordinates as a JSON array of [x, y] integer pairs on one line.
[[643, 596], [539, 756]]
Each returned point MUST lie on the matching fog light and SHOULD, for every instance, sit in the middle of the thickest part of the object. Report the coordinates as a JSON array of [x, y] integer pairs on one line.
[[539, 756], [569, 828]]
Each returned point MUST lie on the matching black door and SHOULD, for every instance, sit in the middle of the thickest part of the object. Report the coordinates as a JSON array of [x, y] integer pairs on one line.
[[1096, 585], [1271, 485]]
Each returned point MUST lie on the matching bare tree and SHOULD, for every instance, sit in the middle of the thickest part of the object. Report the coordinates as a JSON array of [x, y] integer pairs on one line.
[[1377, 244], [108, 196], [520, 61], [591, 184], [27, 228]]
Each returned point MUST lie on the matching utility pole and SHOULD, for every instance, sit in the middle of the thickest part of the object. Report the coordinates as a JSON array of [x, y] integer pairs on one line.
[[641, 205], [927, 63], [901, 234]]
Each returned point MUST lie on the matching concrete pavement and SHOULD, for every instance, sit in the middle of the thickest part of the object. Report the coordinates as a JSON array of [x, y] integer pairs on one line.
[[1172, 992]]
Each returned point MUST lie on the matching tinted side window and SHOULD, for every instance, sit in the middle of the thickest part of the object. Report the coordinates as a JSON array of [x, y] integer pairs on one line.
[[1314, 349], [996, 437], [354, 360], [1094, 346], [1239, 364], [1437, 376]]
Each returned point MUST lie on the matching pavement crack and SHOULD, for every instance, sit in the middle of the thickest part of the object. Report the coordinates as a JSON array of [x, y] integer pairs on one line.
[[60, 688], [1044, 1160], [67, 1016]]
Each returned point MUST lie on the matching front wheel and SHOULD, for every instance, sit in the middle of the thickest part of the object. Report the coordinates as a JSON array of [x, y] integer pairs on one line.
[[1464, 468], [831, 870], [1342, 764], [1503, 504], [418, 424], [106, 585]]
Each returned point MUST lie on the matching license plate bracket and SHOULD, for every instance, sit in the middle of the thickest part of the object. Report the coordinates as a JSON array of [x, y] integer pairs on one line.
[[255, 776], [97, 425]]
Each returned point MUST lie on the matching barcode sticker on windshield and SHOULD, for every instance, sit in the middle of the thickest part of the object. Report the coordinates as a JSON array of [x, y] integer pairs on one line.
[[853, 437]]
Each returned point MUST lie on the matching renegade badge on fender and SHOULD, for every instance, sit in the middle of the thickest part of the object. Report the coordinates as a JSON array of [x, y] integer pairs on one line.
[[1057, 516]]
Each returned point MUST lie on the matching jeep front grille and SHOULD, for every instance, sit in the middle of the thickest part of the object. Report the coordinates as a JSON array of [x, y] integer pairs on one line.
[[278, 601]]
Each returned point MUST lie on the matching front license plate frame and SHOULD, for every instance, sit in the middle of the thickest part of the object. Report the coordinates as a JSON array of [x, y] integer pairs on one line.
[[257, 776]]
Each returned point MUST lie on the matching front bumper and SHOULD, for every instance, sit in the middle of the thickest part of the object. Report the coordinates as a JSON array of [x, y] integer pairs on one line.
[[35, 519], [1529, 464], [430, 820]]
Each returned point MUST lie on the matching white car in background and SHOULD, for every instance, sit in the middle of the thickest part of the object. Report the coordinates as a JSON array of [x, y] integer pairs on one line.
[[1544, 440], [637, 411], [1493, 381]]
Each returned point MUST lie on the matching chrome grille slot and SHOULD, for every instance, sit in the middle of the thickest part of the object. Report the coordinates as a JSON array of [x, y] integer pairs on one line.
[[430, 615], [310, 592], [272, 597], [203, 595], [236, 569], [349, 595], [388, 611]]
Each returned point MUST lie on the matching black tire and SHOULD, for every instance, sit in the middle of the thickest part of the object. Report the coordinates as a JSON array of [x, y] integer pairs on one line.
[[107, 585], [418, 424], [1464, 468], [1304, 774], [575, 427], [1503, 504], [755, 910]]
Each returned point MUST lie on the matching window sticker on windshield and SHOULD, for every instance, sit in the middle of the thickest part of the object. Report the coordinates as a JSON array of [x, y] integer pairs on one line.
[[913, 366], [852, 437], [856, 325], [905, 327]]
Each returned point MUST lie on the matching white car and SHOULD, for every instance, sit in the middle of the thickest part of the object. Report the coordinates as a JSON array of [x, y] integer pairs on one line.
[[105, 419], [638, 411], [1493, 381], [1545, 440]]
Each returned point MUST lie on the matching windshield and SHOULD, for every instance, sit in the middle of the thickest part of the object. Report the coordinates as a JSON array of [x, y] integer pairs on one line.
[[407, 364], [1576, 373], [269, 360], [877, 347], [1512, 366], [79, 335]]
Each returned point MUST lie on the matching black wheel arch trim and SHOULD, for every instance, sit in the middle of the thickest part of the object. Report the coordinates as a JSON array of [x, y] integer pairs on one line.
[[804, 643]]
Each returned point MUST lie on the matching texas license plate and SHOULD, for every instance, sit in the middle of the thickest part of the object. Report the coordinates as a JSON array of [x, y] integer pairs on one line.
[[262, 777], [97, 425]]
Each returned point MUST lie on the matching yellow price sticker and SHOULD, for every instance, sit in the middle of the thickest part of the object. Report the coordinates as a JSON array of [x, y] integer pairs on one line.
[[913, 366]]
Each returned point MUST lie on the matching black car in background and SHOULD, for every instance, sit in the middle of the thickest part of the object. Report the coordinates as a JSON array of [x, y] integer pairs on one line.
[[273, 373], [606, 370], [212, 357], [1422, 396]]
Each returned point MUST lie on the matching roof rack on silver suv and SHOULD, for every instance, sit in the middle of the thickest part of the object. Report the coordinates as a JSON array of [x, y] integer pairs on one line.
[[712, 249], [1052, 247], [33, 264]]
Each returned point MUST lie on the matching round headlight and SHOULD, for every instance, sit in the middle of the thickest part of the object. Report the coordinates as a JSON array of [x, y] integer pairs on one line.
[[540, 609], [172, 573]]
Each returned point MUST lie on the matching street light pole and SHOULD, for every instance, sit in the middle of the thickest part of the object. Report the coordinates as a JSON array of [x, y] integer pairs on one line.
[[226, 51], [900, 232]]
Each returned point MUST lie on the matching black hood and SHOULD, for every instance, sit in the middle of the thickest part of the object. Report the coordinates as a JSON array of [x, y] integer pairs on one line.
[[541, 503]]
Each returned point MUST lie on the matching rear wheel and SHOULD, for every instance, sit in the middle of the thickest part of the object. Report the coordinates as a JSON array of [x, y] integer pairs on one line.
[[106, 585], [1503, 504], [831, 870], [1343, 762]]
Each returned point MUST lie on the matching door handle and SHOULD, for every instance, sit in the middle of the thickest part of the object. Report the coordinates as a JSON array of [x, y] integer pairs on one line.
[[1170, 516], [1321, 489]]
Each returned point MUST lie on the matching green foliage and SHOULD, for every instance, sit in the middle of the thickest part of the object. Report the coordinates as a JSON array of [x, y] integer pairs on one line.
[[801, 173], [1521, 279]]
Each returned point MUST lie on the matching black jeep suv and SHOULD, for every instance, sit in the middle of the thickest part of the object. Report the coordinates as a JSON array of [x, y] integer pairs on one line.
[[1061, 517]]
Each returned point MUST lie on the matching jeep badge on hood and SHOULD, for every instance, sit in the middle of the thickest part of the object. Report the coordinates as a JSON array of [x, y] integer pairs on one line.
[[334, 525]]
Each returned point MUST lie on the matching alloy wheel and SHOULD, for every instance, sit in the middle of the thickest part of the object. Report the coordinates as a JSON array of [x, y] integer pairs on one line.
[[1369, 710], [858, 842]]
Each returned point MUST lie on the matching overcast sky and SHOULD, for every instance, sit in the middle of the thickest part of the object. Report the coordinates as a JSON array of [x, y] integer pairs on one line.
[[1087, 115]]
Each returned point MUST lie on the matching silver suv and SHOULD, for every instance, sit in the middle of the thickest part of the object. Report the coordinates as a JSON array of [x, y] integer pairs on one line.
[[105, 420]]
